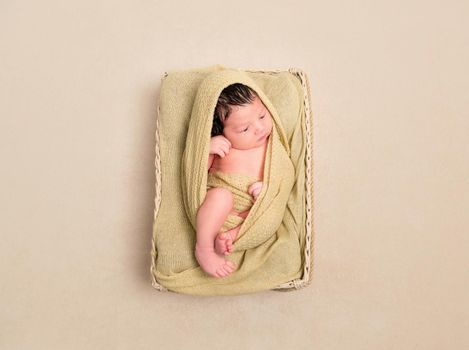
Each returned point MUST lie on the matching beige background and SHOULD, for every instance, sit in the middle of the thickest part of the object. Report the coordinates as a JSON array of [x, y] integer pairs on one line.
[[79, 86]]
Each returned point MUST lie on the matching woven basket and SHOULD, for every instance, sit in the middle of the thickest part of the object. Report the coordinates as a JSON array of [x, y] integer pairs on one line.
[[308, 251]]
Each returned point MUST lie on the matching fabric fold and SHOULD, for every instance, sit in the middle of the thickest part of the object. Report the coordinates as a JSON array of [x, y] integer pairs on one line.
[[238, 185]]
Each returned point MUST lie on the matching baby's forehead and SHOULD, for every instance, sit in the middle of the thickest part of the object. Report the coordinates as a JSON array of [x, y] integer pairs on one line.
[[246, 111]]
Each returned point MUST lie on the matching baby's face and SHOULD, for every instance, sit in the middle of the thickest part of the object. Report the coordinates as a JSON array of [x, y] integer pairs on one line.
[[248, 126]]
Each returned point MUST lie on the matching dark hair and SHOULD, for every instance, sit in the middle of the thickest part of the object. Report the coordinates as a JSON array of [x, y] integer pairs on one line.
[[233, 95]]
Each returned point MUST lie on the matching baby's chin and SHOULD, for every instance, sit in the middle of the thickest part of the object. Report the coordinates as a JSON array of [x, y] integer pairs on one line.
[[253, 145], [261, 143]]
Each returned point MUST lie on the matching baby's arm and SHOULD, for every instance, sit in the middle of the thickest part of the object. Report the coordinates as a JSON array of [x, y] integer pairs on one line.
[[218, 145], [211, 157]]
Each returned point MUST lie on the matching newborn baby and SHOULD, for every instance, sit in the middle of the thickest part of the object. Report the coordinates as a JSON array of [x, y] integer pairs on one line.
[[241, 129]]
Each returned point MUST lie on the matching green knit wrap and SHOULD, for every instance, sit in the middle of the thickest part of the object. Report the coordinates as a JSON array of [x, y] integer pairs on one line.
[[238, 184], [267, 249]]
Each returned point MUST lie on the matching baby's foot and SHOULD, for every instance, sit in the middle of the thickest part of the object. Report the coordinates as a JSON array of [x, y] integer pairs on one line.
[[224, 241], [223, 244], [212, 263]]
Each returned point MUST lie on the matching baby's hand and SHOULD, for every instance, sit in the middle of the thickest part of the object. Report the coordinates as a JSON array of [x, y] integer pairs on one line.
[[255, 189], [219, 145]]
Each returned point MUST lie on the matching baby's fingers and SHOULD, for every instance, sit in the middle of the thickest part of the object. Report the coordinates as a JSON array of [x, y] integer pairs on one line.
[[227, 142], [221, 153], [225, 148], [257, 192], [255, 186]]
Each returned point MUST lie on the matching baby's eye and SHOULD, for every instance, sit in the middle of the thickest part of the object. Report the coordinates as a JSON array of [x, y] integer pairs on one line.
[[245, 129], [263, 117]]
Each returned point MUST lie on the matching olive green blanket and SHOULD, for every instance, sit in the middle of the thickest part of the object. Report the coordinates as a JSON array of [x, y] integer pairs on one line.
[[238, 185], [268, 249]]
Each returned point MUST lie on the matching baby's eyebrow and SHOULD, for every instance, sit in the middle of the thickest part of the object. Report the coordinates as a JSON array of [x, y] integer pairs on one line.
[[241, 125], [238, 124]]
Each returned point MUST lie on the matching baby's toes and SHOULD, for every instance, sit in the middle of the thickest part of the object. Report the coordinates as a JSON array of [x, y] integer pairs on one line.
[[228, 270], [230, 264], [220, 244], [221, 272], [223, 249]]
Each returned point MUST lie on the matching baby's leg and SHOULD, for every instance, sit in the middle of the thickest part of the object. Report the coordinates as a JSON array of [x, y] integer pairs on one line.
[[224, 241], [210, 217]]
